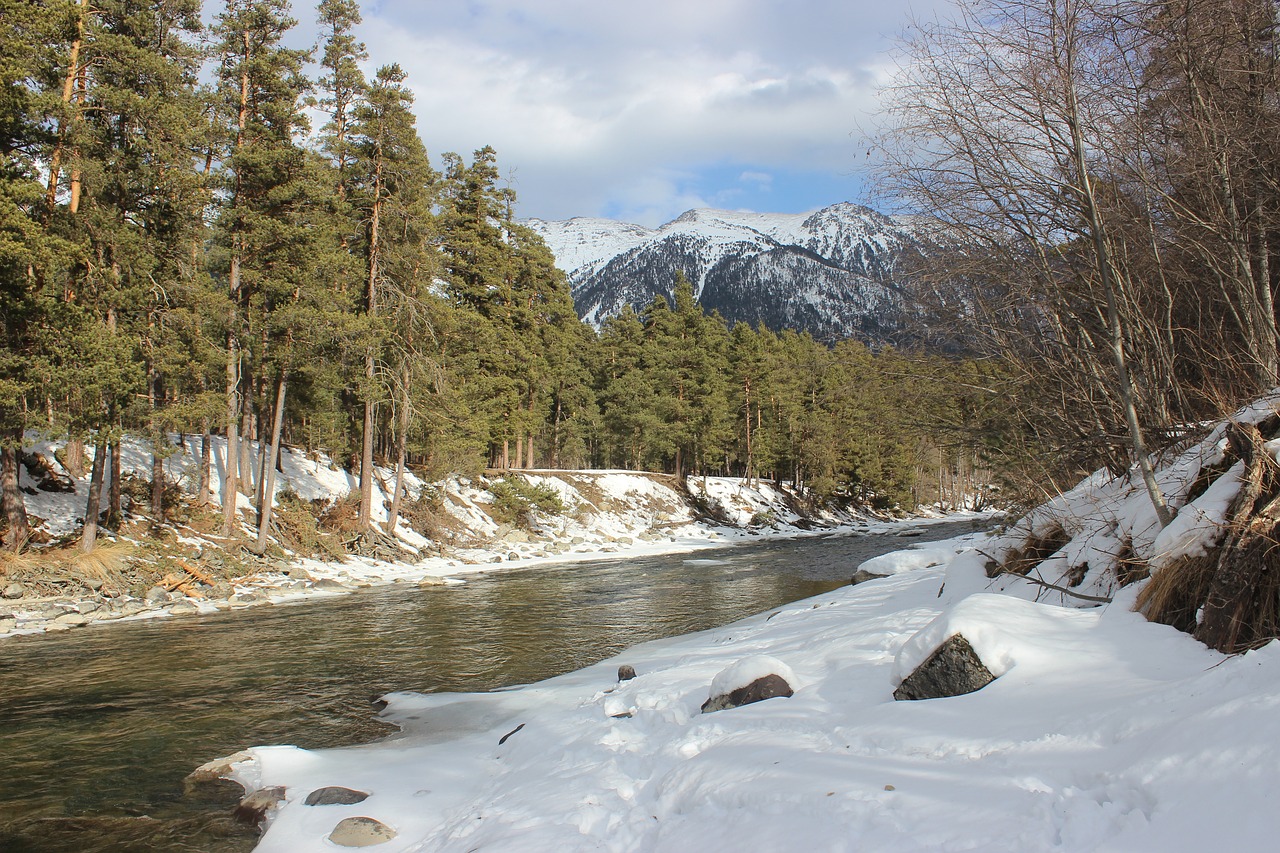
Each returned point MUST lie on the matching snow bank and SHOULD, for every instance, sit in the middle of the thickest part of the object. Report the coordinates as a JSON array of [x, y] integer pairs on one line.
[[1086, 539], [1105, 732]]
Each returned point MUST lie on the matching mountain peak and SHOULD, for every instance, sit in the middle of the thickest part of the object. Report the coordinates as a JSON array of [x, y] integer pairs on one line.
[[829, 272]]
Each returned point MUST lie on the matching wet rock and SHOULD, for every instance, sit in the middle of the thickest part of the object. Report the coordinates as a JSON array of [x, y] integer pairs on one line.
[[14, 590], [329, 585], [512, 555], [361, 832], [862, 576], [953, 669], [335, 795], [253, 808], [184, 608], [215, 770], [765, 687], [72, 620], [431, 581], [626, 672]]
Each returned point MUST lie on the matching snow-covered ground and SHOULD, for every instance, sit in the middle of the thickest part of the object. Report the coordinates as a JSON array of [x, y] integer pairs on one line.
[[1103, 732]]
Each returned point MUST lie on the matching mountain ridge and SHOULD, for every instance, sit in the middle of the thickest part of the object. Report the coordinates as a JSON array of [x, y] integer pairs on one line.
[[831, 272]]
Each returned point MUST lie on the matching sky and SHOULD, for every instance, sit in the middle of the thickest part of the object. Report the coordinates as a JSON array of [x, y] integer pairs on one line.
[[640, 111]]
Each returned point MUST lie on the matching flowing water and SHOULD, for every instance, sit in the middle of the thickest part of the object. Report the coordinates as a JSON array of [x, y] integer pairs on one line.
[[99, 726]]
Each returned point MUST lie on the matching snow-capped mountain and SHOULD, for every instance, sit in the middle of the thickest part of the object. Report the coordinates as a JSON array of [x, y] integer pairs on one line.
[[830, 272]]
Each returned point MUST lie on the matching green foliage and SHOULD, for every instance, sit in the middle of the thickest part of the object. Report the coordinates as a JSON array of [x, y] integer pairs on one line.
[[515, 501]]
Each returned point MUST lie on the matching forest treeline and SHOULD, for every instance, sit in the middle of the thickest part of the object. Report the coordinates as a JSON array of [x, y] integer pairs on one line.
[[196, 238]]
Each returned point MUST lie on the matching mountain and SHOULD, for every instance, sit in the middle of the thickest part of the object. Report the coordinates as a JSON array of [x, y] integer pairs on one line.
[[830, 273]]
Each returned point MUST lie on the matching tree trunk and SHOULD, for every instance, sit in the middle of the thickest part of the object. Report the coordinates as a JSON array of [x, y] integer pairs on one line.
[[15, 508], [269, 490], [231, 457], [74, 455], [74, 74], [401, 440], [89, 536], [365, 522], [528, 455], [203, 494], [158, 442], [1229, 617], [519, 452], [114, 510], [1107, 277]]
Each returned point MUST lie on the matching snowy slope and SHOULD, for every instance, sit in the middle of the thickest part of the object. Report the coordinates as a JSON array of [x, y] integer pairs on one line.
[[830, 272]]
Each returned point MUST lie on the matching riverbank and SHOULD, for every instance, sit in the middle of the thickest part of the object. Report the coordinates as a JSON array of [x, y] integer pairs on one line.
[[454, 528], [1102, 732], [306, 579]]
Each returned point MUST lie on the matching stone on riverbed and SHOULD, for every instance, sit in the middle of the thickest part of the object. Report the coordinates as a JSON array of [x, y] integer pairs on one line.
[[361, 832]]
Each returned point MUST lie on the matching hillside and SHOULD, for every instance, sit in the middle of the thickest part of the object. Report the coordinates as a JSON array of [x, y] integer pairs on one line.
[[831, 272]]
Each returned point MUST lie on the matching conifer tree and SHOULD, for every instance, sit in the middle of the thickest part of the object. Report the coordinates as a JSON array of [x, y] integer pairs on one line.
[[260, 87]]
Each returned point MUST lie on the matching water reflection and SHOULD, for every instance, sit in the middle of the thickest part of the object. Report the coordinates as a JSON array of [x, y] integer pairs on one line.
[[98, 727]]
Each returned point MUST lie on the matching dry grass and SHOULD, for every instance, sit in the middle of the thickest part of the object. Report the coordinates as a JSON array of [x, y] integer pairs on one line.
[[1175, 593], [1033, 552], [105, 560]]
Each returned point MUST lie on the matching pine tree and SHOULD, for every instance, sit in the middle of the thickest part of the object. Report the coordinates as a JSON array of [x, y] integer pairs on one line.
[[260, 87]]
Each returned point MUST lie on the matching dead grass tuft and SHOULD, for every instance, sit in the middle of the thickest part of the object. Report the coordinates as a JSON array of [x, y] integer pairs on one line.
[[1033, 552]]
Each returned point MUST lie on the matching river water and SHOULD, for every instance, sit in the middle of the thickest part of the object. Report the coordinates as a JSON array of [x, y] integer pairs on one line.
[[99, 726]]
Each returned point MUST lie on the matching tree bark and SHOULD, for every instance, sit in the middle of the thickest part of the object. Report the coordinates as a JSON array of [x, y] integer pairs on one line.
[[114, 506], [401, 442], [89, 535], [15, 508], [203, 494], [267, 500]]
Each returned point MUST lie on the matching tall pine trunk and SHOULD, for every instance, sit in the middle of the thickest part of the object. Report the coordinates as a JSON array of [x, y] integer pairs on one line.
[[203, 493], [401, 440], [365, 520], [15, 508], [113, 491], [267, 501], [89, 536]]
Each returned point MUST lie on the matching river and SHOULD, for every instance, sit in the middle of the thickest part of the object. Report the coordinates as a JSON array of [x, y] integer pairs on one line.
[[99, 726]]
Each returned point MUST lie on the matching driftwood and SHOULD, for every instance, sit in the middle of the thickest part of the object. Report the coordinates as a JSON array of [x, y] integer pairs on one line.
[[1239, 610]]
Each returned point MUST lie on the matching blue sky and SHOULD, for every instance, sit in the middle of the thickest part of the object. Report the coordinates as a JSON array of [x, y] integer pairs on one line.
[[640, 111]]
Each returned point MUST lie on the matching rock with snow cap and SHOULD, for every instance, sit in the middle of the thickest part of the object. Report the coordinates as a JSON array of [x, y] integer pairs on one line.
[[953, 669], [752, 679]]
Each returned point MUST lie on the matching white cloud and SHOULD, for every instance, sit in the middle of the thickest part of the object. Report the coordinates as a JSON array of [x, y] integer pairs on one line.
[[598, 104]]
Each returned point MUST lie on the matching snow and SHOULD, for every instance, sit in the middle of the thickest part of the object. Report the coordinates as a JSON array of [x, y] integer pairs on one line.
[[1103, 733]]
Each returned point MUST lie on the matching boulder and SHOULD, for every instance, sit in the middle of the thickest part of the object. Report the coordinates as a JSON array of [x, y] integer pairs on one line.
[[7, 623], [953, 669], [361, 832], [626, 672], [72, 620], [183, 608], [335, 795], [862, 576], [14, 590], [765, 687], [156, 595]]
